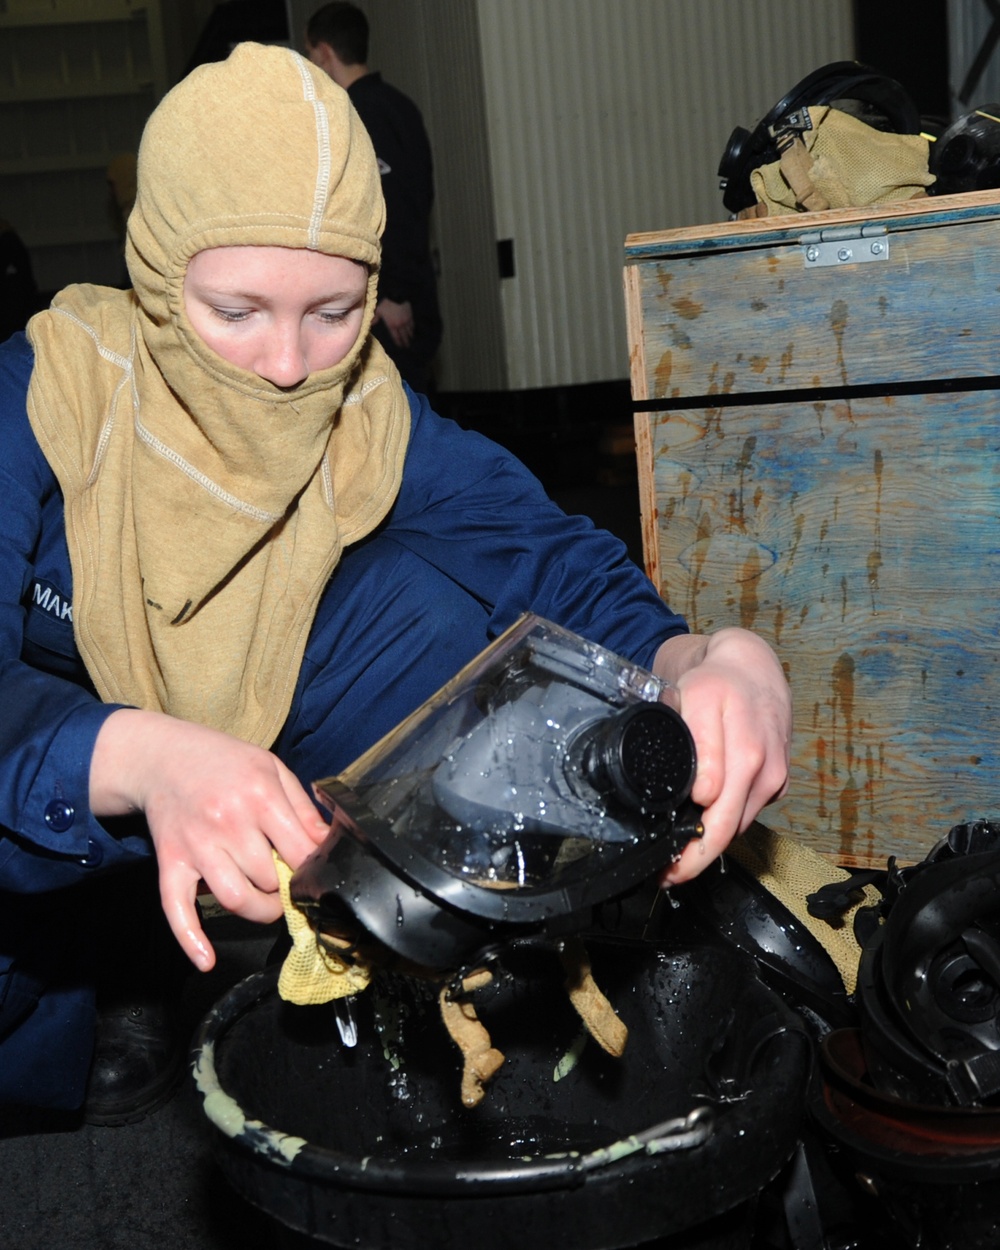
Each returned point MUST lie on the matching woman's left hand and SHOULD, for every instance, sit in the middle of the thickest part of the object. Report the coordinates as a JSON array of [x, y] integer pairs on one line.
[[735, 700]]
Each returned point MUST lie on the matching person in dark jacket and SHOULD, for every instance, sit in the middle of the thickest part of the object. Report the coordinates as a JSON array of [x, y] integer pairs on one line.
[[407, 317]]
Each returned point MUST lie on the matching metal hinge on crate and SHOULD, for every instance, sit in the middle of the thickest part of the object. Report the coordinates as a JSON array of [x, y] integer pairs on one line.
[[845, 245]]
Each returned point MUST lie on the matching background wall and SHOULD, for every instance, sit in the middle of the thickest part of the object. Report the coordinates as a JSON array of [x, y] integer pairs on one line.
[[561, 127], [77, 81], [558, 129], [608, 117], [973, 42]]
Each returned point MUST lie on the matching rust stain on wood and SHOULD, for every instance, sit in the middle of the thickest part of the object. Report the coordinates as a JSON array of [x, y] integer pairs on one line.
[[843, 693], [759, 363], [749, 603], [848, 815], [820, 408], [687, 308], [787, 356], [875, 555], [744, 465], [797, 531], [717, 388], [843, 700], [838, 323], [879, 465], [698, 557], [821, 770], [874, 564], [664, 372]]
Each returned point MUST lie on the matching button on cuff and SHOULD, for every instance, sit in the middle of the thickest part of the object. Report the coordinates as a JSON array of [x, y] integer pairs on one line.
[[94, 856], [59, 815]]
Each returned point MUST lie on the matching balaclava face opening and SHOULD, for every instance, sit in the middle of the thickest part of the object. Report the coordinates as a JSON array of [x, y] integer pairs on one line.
[[260, 149]]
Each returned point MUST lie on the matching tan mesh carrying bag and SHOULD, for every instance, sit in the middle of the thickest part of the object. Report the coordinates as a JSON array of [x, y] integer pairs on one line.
[[840, 163]]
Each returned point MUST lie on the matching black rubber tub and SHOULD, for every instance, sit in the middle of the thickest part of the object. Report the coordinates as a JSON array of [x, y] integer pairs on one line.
[[369, 1145]]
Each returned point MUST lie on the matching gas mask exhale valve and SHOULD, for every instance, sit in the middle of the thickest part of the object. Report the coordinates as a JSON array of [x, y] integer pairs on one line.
[[548, 777]]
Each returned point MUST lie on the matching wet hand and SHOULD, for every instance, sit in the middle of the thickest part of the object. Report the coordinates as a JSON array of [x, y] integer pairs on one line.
[[215, 807], [736, 702]]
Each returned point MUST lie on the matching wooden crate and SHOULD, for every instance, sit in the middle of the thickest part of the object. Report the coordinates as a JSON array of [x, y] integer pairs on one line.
[[818, 436]]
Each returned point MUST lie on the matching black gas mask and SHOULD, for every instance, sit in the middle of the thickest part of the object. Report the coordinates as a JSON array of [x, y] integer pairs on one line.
[[548, 777], [929, 978]]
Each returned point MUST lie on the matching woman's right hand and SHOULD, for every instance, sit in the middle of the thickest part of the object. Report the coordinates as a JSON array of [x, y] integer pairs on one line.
[[215, 806]]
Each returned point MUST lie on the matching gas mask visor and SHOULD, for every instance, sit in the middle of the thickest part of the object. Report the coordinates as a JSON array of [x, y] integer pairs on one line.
[[547, 777]]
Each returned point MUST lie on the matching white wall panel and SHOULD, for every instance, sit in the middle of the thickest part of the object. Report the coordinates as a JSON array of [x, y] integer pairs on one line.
[[473, 354], [973, 55], [607, 117]]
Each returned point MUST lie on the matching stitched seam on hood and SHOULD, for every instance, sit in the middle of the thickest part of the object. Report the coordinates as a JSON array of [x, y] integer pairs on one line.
[[213, 488], [323, 145]]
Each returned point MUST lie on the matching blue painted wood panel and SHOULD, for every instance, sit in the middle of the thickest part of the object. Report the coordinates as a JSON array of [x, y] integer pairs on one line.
[[862, 539], [736, 310]]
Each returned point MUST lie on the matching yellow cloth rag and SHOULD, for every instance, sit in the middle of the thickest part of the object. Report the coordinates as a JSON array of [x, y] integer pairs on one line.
[[311, 974]]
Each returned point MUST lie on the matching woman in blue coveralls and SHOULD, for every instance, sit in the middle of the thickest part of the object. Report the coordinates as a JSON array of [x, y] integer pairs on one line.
[[235, 551]]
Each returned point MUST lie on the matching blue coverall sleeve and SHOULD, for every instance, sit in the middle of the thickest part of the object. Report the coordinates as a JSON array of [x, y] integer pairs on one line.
[[49, 714], [475, 512]]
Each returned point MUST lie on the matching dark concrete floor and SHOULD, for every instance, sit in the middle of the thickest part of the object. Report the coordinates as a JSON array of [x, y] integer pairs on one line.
[[146, 1186]]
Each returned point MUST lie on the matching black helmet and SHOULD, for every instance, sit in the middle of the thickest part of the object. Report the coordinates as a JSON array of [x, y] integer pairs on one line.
[[911, 1097], [873, 98], [967, 156], [729, 901], [929, 978]]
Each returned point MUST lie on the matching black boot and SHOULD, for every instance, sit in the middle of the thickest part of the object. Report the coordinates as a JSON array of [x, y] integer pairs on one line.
[[138, 1062], [142, 1036]]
